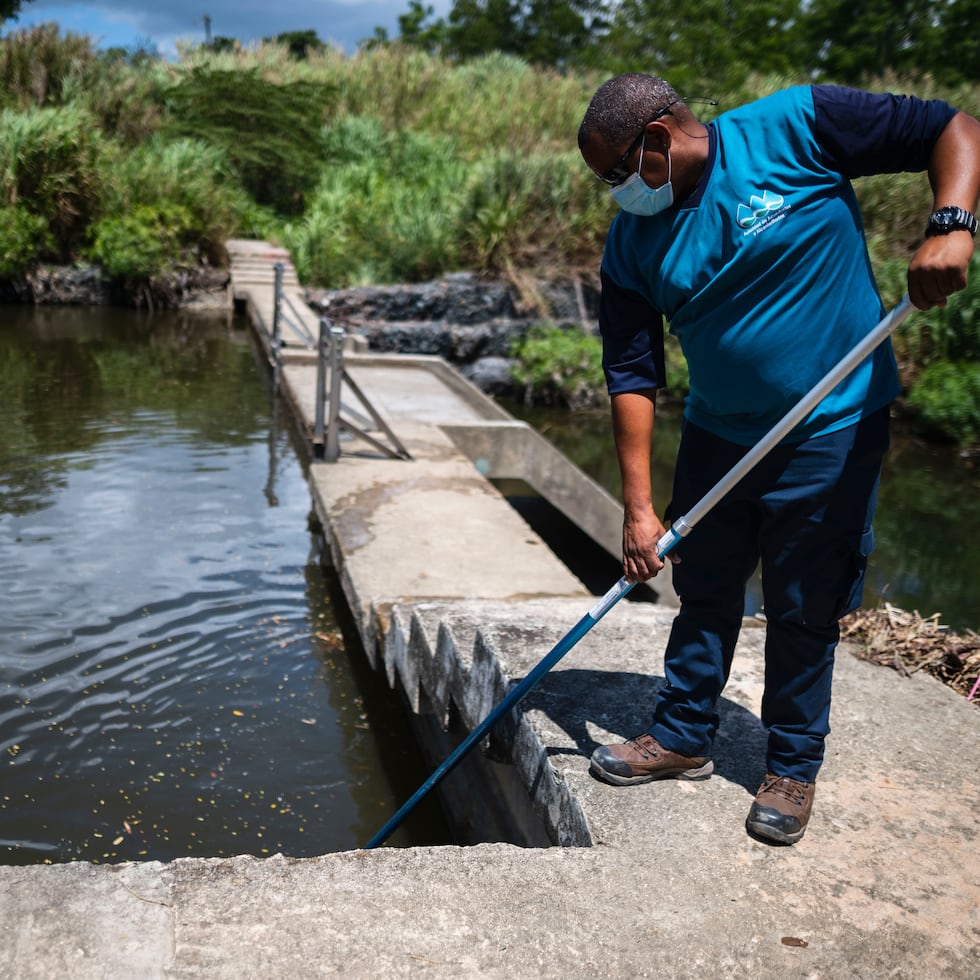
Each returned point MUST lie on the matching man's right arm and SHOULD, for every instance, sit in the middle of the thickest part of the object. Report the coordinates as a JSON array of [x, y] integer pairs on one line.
[[633, 362], [633, 415]]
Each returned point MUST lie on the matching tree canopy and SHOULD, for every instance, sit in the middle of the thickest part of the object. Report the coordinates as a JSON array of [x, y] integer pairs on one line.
[[8, 9], [712, 41]]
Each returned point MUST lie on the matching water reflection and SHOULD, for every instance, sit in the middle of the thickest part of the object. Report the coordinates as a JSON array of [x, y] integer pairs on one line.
[[174, 680]]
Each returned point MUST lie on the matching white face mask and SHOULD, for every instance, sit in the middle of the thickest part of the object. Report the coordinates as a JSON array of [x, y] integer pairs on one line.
[[637, 197]]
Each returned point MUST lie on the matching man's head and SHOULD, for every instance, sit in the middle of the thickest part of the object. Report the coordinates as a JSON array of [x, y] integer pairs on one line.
[[631, 126], [622, 107]]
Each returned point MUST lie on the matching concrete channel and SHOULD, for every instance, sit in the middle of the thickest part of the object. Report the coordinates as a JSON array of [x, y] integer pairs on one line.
[[455, 596]]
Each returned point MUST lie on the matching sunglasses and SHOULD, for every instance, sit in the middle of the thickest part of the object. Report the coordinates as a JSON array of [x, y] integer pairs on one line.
[[619, 171]]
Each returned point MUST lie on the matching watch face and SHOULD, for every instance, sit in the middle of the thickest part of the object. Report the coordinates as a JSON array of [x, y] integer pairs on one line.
[[946, 219]]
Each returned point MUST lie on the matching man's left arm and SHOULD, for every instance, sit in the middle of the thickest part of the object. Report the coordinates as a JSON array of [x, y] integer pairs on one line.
[[939, 267]]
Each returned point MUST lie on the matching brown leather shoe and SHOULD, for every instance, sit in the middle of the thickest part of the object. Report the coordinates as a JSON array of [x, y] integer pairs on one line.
[[781, 809], [642, 759]]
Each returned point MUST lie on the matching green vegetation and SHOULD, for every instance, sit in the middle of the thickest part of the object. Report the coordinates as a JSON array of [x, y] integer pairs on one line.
[[555, 366], [408, 160], [711, 41], [267, 129]]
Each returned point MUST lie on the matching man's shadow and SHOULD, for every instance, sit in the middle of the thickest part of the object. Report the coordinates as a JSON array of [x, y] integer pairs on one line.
[[621, 703]]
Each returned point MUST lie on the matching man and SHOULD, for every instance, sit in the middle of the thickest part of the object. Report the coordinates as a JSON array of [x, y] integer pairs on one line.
[[745, 235]]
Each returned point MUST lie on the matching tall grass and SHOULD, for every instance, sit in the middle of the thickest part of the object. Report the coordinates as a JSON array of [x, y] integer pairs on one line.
[[165, 203], [387, 165], [36, 65], [42, 67], [386, 207], [48, 169]]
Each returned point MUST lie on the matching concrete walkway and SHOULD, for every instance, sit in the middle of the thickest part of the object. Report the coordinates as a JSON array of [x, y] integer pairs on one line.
[[455, 596]]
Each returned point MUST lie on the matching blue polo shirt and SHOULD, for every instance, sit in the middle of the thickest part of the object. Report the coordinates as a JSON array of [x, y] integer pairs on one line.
[[763, 273]]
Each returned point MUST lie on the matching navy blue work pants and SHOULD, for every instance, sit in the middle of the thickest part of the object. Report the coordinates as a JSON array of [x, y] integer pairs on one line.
[[805, 513]]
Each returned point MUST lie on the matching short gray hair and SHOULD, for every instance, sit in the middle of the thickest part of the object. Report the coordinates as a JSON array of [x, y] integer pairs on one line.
[[622, 106]]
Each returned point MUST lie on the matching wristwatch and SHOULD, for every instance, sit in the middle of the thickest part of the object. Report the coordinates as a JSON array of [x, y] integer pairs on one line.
[[948, 219]]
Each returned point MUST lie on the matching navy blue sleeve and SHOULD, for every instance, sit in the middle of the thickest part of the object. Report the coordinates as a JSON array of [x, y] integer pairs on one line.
[[862, 133], [632, 340]]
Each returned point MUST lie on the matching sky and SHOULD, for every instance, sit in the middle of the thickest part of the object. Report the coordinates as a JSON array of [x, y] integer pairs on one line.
[[161, 23]]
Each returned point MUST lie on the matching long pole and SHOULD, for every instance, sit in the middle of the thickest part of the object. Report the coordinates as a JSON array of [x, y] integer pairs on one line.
[[678, 530]]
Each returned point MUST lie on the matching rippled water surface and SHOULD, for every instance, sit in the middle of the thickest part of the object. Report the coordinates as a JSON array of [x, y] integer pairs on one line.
[[174, 679]]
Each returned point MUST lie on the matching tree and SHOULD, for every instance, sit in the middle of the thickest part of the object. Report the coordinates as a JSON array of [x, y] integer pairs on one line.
[[9, 9], [269, 131], [852, 40], [477, 27], [420, 29], [713, 43], [543, 32], [956, 54], [300, 43], [558, 32]]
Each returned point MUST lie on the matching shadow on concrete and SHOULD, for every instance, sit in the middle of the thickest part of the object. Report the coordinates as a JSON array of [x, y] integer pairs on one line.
[[621, 702]]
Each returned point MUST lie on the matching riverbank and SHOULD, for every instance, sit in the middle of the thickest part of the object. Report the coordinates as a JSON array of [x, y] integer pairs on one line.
[[200, 289]]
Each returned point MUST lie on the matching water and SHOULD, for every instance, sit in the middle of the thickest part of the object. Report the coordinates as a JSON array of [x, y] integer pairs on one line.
[[927, 555], [174, 672]]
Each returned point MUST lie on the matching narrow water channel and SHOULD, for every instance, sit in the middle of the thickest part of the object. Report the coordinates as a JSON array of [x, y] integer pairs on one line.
[[175, 676]]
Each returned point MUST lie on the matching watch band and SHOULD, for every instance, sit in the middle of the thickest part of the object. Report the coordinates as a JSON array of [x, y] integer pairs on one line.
[[945, 220]]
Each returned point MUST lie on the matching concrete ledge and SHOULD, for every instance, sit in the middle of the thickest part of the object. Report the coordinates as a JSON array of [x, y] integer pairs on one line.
[[884, 883]]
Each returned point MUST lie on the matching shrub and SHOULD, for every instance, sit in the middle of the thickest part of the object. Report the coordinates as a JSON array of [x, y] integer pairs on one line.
[[24, 239], [947, 398], [268, 131], [184, 181], [144, 242], [559, 366], [386, 208], [48, 165]]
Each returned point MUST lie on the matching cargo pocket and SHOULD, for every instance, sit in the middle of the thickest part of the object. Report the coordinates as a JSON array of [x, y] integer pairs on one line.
[[862, 546]]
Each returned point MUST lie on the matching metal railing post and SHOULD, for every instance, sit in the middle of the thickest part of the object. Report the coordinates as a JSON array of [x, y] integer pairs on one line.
[[322, 353], [332, 453], [276, 304], [276, 341]]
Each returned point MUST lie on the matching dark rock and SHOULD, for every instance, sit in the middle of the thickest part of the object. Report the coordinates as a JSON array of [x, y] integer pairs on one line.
[[461, 297], [200, 289], [470, 322], [457, 342], [69, 286], [490, 374]]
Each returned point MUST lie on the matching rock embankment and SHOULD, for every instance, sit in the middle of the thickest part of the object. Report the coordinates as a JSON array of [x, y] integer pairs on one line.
[[198, 289], [469, 321]]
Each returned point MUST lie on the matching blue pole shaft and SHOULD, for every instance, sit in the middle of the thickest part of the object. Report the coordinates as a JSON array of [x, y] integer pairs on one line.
[[514, 697], [677, 532]]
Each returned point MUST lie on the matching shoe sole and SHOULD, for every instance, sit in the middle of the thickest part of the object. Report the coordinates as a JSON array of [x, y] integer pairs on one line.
[[702, 772], [771, 835]]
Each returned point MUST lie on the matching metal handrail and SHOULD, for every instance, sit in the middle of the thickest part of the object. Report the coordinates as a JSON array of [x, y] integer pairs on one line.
[[280, 317], [332, 416]]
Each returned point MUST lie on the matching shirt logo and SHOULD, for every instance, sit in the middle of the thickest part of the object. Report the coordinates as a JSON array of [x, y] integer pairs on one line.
[[761, 211]]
